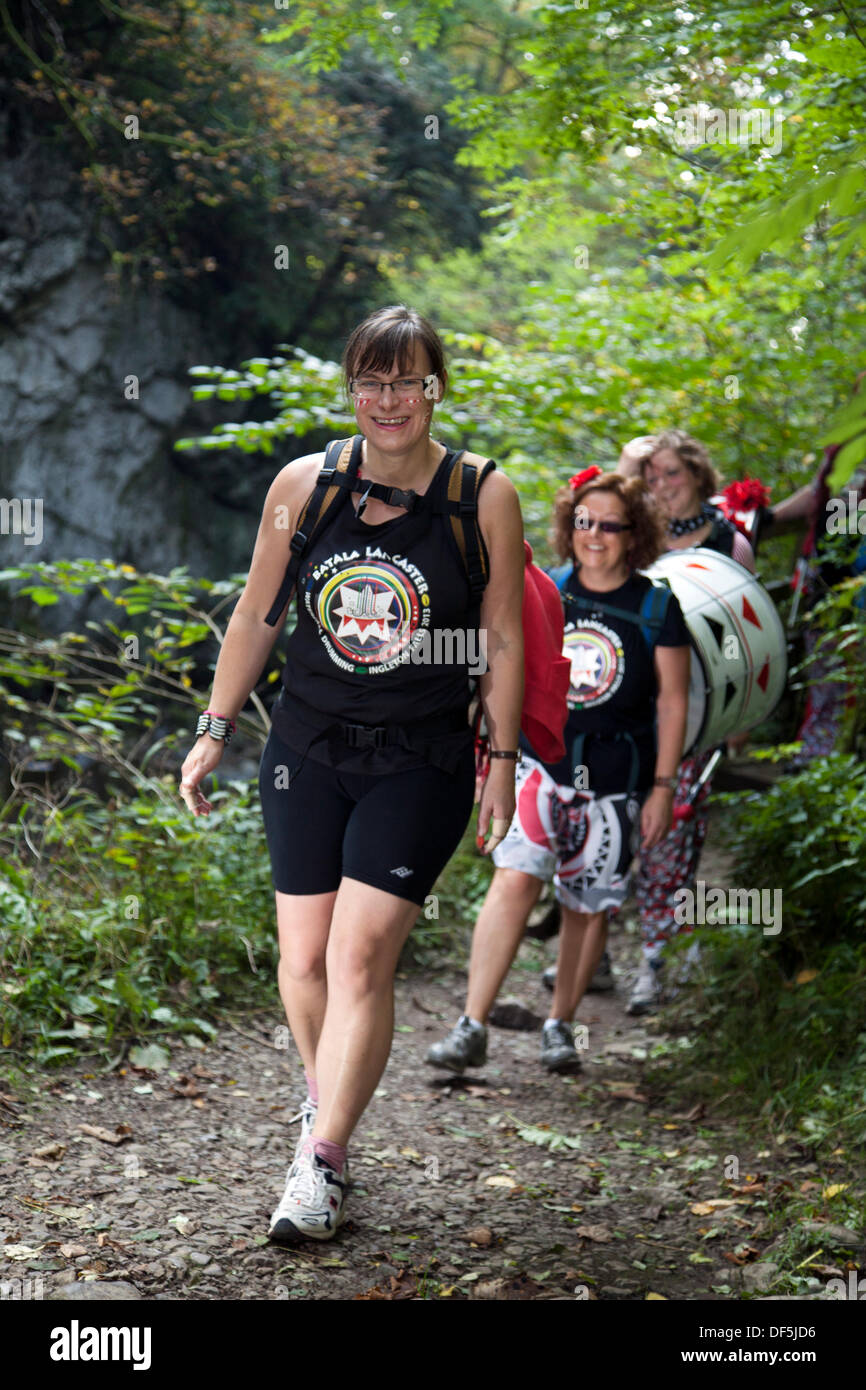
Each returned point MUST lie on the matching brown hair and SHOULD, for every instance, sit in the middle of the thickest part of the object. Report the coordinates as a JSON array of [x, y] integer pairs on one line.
[[648, 538], [387, 334], [691, 453]]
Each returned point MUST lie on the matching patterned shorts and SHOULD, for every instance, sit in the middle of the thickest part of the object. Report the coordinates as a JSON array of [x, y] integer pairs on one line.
[[583, 842]]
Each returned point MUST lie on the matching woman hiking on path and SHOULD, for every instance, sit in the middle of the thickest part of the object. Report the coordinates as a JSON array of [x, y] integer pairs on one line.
[[578, 822], [677, 470], [361, 817]]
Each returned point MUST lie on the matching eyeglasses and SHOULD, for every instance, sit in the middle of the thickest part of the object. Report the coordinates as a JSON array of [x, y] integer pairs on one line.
[[405, 387], [610, 528]]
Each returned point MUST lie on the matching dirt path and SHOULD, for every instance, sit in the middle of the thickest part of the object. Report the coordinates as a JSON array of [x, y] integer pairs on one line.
[[457, 1192]]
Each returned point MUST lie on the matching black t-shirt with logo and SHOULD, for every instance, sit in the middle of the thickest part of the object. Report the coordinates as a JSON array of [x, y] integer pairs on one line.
[[611, 699]]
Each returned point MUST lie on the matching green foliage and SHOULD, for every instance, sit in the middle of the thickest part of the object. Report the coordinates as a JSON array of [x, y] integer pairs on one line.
[[778, 1022], [805, 835], [131, 920], [120, 913]]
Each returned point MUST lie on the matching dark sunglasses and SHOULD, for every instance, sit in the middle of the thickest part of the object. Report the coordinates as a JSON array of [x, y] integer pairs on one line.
[[610, 528]]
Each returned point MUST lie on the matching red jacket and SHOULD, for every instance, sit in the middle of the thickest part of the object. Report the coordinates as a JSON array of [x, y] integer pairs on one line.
[[546, 671]]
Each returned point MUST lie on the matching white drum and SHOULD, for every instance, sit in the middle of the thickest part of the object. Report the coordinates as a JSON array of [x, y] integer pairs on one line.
[[739, 651]]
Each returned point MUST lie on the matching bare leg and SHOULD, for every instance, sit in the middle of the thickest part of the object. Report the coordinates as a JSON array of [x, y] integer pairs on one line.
[[303, 923], [497, 935], [368, 929], [582, 939]]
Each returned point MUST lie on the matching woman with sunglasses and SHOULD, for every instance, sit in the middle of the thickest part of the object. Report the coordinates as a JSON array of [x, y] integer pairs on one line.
[[367, 778], [578, 822]]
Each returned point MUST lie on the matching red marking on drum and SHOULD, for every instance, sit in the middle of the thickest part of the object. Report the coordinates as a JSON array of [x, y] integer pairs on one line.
[[723, 603], [764, 676], [749, 613], [695, 565]]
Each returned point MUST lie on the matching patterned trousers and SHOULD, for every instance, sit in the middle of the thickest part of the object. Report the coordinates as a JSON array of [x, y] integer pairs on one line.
[[673, 864]]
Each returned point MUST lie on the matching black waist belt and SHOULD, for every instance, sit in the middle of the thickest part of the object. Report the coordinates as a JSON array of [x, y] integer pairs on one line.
[[376, 735]]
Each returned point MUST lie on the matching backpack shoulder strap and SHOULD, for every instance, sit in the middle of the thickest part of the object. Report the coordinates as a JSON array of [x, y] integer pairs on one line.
[[559, 574], [467, 473], [342, 457], [653, 611], [650, 617]]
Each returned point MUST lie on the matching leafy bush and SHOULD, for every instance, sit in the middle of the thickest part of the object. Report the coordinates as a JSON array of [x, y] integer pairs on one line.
[[134, 918]]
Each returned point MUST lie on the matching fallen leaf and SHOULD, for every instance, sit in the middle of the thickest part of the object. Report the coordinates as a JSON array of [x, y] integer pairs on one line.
[[187, 1088], [742, 1255], [835, 1189], [599, 1233], [70, 1252], [152, 1057], [714, 1204], [626, 1092], [656, 1297], [805, 976], [116, 1136], [500, 1180], [410, 1153], [53, 1150], [184, 1225]]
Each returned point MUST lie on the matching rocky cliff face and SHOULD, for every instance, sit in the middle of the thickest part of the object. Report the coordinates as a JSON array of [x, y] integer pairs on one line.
[[93, 393]]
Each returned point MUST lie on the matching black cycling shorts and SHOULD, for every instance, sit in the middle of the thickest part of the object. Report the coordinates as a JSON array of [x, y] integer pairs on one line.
[[395, 831]]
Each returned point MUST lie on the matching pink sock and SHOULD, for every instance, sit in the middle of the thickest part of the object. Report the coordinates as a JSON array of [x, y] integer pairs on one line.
[[334, 1154], [312, 1088]]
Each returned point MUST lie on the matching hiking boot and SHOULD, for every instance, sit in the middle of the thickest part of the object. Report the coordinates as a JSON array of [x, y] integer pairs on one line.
[[548, 926], [647, 992], [311, 1208], [558, 1052], [465, 1046], [602, 980]]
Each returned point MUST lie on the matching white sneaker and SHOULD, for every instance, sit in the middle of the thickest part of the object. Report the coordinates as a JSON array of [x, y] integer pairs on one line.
[[307, 1116], [647, 992], [311, 1207]]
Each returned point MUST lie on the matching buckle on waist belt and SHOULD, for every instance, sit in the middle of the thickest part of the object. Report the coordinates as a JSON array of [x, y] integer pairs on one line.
[[364, 735]]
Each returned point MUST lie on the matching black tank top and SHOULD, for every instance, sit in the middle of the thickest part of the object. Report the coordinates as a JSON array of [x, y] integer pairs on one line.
[[387, 634]]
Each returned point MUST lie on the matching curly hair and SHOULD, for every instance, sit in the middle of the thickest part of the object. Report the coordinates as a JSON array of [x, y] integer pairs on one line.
[[691, 453], [641, 512]]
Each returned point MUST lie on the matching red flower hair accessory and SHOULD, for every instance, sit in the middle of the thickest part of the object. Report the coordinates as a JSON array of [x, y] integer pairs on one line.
[[585, 476], [746, 494]]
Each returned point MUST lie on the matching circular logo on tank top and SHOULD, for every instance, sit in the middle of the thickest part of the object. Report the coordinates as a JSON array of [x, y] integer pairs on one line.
[[597, 664], [369, 611]]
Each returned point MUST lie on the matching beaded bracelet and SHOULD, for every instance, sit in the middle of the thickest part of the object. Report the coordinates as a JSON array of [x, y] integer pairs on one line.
[[217, 725]]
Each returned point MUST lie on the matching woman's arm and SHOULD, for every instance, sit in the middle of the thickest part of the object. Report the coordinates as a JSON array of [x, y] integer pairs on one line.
[[501, 684], [248, 639], [743, 552], [672, 703], [632, 453], [800, 506]]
